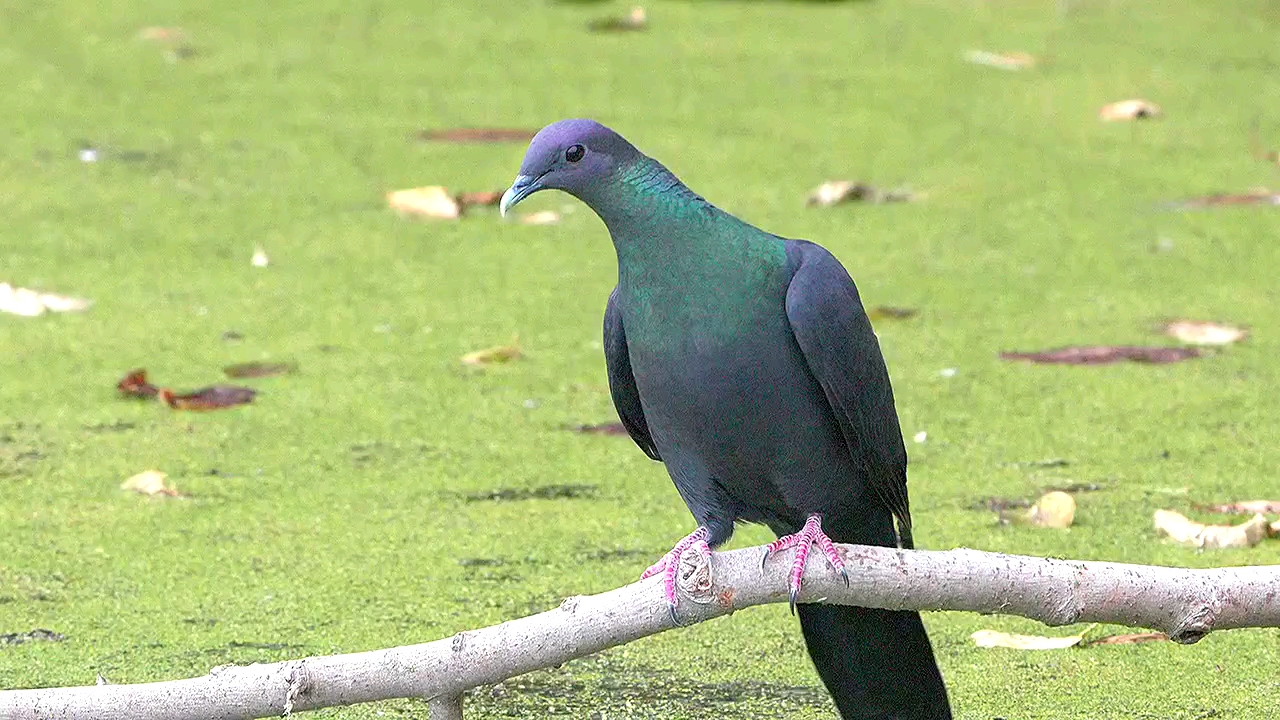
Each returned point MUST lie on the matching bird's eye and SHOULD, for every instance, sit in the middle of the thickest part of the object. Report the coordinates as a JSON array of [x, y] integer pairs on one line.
[[574, 153]]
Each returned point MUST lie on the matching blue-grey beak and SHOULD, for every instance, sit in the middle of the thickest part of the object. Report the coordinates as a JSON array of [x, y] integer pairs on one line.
[[523, 187]]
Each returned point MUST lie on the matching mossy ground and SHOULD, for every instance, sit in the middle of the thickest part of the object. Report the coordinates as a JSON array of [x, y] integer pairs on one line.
[[337, 519]]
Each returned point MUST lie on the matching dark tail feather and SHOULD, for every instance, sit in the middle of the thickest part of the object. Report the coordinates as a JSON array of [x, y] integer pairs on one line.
[[876, 663]]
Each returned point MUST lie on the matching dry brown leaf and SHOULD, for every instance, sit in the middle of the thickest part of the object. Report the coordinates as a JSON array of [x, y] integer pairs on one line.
[[135, 385], [834, 192], [1004, 61], [1134, 109], [1129, 638], [1181, 529], [1198, 332], [30, 303], [1103, 354], [149, 482], [499, 354], [214, 397], [1053, 510], [432, 201], [995, 638], [543, 217]]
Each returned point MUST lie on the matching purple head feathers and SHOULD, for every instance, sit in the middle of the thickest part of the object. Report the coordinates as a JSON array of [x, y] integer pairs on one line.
[[576, 156]]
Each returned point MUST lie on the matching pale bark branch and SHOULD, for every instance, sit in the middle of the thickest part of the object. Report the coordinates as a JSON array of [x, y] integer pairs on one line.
[[1184, 603]]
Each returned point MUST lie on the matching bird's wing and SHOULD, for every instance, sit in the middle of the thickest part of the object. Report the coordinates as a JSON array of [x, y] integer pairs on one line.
[[837, 341], [622, 384]]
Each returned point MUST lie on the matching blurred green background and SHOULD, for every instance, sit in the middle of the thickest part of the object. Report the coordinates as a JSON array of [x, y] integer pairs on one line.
[[332, 514]]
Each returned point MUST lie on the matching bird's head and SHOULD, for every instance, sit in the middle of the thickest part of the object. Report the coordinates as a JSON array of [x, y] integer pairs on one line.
[[576, 156]]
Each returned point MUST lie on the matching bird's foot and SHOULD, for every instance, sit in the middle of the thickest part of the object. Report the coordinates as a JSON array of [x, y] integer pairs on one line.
[[811, 534], [669, 565]]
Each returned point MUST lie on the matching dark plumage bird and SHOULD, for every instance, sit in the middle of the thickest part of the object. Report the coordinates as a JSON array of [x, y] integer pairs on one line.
[[746, 363]]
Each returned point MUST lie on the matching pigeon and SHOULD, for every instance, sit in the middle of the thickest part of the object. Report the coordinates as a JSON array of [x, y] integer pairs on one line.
[[746, 364]]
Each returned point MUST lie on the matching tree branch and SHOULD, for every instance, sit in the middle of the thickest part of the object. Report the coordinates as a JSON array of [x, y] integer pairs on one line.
[[1186, 604]]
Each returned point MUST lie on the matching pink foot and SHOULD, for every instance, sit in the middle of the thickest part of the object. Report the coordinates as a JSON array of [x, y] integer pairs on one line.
[[811, 534], [669, 565]]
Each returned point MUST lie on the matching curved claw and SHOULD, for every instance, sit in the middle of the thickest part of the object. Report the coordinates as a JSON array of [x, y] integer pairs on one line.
[[809, 536], [669, 566]]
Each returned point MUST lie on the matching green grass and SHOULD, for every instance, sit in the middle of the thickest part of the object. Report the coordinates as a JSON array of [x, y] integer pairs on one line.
[[337, 519]]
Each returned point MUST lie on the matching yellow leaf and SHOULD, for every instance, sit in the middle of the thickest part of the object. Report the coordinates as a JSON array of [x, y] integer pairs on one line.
[[431, 201], [1189, 532], [995, 638], [1194, 332], [1054, 510], [149, 482], [501, 353]]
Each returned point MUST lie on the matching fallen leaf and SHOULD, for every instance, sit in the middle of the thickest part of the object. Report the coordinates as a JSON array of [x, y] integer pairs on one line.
[[214, 397], [1197, 332], [479, 199], [1129, 638], [259, 369], [920, 437], [484, 135], [1004, 61], [889, 312], [1053, 510], [150, 482], [30, 303], [543, 217], [1134, 109], [995, 638], [635, 20], [1188, 532], [834, 192], [1103, 354], [135, 385], [600, 429], [498, 354], [1256, 197], [1251, 507], [432, 201], [259, 258]]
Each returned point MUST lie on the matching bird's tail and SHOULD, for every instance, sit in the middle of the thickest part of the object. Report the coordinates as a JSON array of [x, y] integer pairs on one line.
[[875, 663]]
